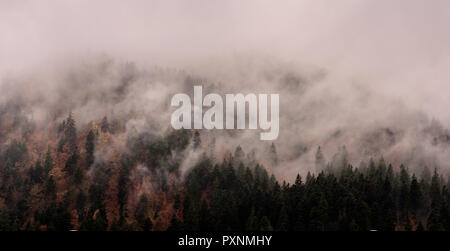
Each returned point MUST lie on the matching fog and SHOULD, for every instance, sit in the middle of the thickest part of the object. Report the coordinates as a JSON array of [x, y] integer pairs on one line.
[[371, 75]]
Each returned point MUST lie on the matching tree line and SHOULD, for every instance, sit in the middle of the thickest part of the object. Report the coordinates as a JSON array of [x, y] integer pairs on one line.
[[235, 194]]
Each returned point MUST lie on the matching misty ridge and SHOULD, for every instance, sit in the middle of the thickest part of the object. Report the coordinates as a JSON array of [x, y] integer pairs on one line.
[[346, 77], [346, 119], [86, 141]]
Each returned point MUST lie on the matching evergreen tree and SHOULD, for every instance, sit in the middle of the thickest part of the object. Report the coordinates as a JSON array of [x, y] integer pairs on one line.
[[48, 162], [205, 218], [90, 148], [5, 219], [273, 154], [265, 225], [104, 125], [320, 160], [404, 193], [37, 173], [62, 220], [71, 163], [81, 202], [175, 224], [252, 222], [434, 219], [415, 195], [319, 215], [141, 213], [190, 215], [283, 220], [101, 221], [197, 140], [239, 155], [69, 131], [50, 190], [420, 228]]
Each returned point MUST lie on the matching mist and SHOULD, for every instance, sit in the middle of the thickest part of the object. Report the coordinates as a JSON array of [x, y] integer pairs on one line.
[[370, 75]]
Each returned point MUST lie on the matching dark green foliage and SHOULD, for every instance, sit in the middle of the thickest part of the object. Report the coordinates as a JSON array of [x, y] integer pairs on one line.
[[141, 214], [123, 183], [415, 196], [231, 196], [71, 163], [100, 222], [273, 154], [5, 219], [197, 140], [14, 153], [320, 160], [175, 225], [235, 194], [50, 189], [104, 125], [48, 162], [69, 134], [90, 148], [81, 201], [37, 173]]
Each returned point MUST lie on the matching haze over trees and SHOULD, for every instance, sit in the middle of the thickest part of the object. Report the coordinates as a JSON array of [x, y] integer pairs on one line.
[[96, 152], [66, 189]]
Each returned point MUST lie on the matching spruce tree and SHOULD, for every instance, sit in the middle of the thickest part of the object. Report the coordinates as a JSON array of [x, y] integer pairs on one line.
[[90, 148], [320, 160], [48, 162], [197, 140], [104, 125]]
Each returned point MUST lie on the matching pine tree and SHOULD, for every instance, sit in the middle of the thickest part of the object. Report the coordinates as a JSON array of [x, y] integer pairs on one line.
[[320, 160], [415, 196], [190, 215], [404, 193], [101, 221], [252, 222], [69, 136], [141, 213], [319, 215], [273, 154], [239, 154], [90, 148], [420, 228], [104, 125], [50, 189], [48, 162], [264, 224], [283, 219], [435, 189], [80, 203], [78, 176], [5, 219], [62, 220], [205, 218], [71, 163], [37, 173], [197, 140], [175, 224], [434, 219]]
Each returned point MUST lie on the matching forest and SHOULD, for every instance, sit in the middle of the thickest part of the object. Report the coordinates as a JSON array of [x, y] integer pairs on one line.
[[68, 188], [328, 116]]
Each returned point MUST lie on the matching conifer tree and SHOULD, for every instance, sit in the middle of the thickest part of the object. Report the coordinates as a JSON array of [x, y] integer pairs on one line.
[[320, 160], [90, 148], [104, 125], [273, 154], [48, 162], [197, 140]]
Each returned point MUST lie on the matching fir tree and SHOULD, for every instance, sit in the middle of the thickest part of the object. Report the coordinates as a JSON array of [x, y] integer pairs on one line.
[[90, 148]]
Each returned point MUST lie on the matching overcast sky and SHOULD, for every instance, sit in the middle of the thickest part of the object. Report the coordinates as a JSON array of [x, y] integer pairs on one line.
[[400, 45]]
